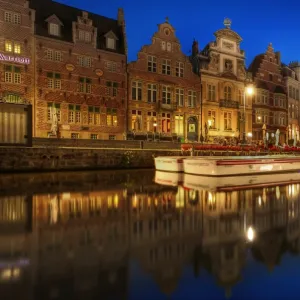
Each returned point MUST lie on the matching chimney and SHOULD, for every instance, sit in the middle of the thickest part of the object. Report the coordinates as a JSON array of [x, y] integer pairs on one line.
[[120, 16]]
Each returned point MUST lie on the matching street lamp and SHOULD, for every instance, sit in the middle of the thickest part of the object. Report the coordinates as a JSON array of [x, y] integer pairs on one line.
[[249, 90]]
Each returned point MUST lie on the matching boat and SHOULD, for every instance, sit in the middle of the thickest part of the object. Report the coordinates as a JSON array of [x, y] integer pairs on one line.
[[240, 165], [169, 163], [168, 178], [198, 182]]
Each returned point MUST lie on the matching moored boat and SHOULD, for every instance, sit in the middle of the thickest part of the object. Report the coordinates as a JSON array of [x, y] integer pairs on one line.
[[169, 163], [240, 165]]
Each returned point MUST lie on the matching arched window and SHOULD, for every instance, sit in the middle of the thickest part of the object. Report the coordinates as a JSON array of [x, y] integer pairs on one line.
[[227, 93]]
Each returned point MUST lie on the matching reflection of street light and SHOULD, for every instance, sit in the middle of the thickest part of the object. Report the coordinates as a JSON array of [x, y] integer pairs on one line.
[[249, 90], [250, 234], [155, 125]]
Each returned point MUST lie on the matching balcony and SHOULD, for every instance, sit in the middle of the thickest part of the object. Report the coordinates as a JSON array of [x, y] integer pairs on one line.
[[166, 107], [229, 104]]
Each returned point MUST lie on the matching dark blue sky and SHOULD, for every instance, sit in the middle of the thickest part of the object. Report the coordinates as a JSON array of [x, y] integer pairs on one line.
[[259, 22]]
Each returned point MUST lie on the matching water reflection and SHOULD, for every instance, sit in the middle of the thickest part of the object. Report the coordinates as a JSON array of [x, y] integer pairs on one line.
[[137, 234]]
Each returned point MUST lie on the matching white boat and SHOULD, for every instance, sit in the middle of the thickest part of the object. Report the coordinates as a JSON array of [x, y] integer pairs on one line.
[[168, 178], [198, 182], [240, 165], [169, 163]]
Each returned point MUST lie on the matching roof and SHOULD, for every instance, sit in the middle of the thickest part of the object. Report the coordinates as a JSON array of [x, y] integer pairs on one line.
[[288, 72], [253, 68], [67, 15]]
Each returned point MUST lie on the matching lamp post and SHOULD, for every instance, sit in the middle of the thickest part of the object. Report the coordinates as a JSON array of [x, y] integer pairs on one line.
[[249, 91]]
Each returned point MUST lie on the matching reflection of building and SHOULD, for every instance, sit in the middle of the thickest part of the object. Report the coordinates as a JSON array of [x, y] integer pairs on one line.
[[291, 79], [269, 103], [223, 85], [165, 230], [163, 91]]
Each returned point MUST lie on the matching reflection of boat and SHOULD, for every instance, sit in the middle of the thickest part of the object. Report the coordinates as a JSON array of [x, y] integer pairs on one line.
[[238, 182], [240, 165], [167, 178], [169, 163]]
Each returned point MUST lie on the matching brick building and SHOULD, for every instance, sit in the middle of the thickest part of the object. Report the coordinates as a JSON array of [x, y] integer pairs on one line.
[[66, 62], [270, 105], [163, 91], [291, 74]]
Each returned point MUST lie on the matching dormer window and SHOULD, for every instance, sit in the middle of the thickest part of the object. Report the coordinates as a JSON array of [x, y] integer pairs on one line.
[[54, 29], [54, 25], [111, 40]]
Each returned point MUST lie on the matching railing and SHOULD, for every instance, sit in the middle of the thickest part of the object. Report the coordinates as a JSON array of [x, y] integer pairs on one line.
[[165, 106], [229, 103]]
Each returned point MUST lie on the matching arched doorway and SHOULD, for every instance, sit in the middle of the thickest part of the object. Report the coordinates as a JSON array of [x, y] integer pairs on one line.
[[192, 129]]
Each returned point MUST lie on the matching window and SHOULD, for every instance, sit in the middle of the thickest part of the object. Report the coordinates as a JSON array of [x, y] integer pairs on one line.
[[94, 115], [136, 90], [179, 69], [136, 120], [163, 45], [192, 99], [211, 92], [54, 81], [94, 136], [279, 100], [297, 94], [74, 115], [258, 117], [110, 43], [111, 66], [270, 77], [297, 112], [227, 93], [290, 91], [281, 119], [50, 107], [151, 121], [85, 85], [74, 135], [169, 46], [180, 97], [54, 29], [8, 46], [152, 92], [166, 95], [112, 88], [13, 47], [57, 56], [227, 121], [12, 74], [152, 64], [179, 125], [10, 17], [165, 122], [112, 137], [211, 119], [240, 97], [84, 36], [111, 117], [85, 61], [166, 67]]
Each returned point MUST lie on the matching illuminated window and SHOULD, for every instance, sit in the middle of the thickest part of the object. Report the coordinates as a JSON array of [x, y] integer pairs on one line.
[[227, 121], [94, 136], [136, 120], [8, 46], [211, 119], [151, 121], [111, 117], [166, 122], [179, 125], [17, 48]]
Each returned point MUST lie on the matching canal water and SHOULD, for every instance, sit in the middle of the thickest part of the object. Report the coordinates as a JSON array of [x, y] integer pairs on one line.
[[135, 235]]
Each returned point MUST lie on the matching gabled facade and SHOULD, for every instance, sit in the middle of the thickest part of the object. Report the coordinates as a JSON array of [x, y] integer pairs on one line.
[[223, 80], [292, 83], [270, 105], [163, 91]]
